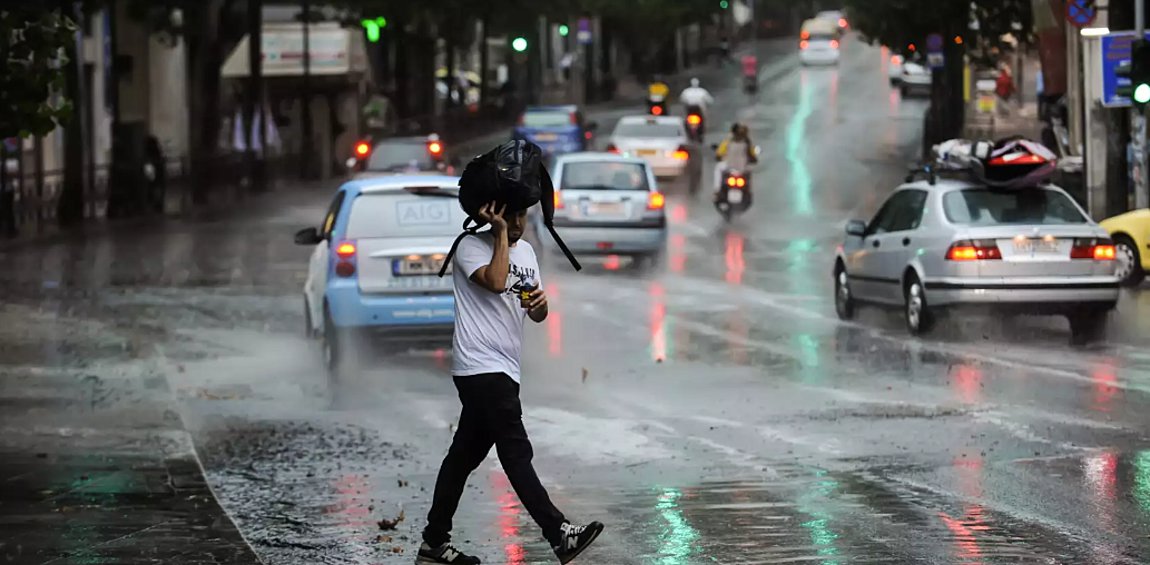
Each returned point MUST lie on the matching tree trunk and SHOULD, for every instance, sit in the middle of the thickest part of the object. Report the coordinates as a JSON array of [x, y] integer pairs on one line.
[[205, 57], [484, 63], [70, 208]]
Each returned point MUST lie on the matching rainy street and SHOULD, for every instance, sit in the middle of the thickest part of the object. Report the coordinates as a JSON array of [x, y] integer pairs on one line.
[[708, 409]]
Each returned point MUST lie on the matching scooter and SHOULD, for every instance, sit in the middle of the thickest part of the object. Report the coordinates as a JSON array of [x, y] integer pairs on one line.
[[694, 123], [750, 84], [657, 107], [734, 195]]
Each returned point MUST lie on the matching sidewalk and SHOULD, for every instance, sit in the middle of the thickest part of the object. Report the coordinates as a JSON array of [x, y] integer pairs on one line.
[[97, 469]]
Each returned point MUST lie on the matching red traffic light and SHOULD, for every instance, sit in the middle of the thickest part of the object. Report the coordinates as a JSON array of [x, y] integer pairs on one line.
[[362, 149]]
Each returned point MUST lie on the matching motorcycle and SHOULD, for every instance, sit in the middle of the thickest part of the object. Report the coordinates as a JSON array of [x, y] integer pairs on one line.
[[657, 106], [734, 195], [694, 123], [750, 84]]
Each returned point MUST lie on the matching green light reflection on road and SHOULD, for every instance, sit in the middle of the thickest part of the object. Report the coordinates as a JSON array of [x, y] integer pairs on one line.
[[801, 183], [678, 536], [1142, 479], [818, 527]]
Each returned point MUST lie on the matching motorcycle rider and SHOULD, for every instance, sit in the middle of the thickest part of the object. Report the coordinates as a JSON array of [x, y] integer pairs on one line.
[[750, 72], [736, 152], [696, 99], [697, 96]]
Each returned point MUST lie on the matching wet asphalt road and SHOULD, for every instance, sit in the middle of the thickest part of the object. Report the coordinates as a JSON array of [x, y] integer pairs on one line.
[[712, 410]]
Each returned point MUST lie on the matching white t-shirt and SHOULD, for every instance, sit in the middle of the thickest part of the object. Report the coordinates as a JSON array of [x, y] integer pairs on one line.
[[488, 326]]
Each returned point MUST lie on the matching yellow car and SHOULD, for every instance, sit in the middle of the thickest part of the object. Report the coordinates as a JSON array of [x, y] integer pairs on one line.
[[1131, 233]]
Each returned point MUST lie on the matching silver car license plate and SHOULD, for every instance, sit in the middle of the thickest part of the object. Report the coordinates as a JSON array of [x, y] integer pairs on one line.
[[1036, 246], [605, 209]]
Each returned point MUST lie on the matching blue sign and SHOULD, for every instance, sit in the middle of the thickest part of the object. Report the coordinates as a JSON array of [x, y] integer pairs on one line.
[[1116, 49], [1081, 13], [934, 54], [584, 31]]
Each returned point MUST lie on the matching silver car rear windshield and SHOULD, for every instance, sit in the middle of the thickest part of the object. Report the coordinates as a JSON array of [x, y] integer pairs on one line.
[[403, 214], [649, 130], [986, 207], [604, 175]]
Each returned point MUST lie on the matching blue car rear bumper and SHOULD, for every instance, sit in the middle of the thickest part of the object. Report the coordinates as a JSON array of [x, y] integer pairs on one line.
[[352, 309]]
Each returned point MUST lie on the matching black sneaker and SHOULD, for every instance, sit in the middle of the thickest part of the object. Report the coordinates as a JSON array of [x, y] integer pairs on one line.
[[575, 539], [445, 553]]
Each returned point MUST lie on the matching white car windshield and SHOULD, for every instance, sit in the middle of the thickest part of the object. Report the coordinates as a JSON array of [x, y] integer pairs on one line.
[[987, 207], [604, 175], [399, 156], [648, 130]]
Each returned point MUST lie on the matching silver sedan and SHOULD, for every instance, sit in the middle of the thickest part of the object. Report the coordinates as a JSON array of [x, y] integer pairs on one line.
[[933, 246], [609, 204]]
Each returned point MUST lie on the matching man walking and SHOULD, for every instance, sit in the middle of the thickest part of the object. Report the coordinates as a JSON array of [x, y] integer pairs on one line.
[[497, 286]]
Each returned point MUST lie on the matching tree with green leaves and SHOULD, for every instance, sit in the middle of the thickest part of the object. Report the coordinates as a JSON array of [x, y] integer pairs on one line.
[[968, 27], [32, 84]]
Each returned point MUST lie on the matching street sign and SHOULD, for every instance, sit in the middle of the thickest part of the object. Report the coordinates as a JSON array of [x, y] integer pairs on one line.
[[1081, 13], [934, 55], [1116, 48], [584, 31]]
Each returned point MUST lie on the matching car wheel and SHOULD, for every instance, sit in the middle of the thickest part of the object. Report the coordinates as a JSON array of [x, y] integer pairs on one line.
[[338, 356], [1130, 271], [308, 329], [919, 317], [844, 300], [1088, 325]]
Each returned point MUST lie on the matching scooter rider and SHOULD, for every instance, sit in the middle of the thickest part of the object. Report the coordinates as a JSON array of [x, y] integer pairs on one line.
[[736, 152], [657, 90], [696, 95]]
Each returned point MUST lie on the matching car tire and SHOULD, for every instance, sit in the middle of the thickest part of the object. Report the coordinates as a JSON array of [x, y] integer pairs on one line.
[[844, 301], [919, 317], [308, 329], [337, 346], [903, 90], [1088, 325], [1129, 261]]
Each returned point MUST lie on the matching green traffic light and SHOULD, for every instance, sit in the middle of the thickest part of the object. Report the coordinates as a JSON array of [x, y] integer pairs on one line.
[[1142, 93], [372, 27], [564, 30], [519, 44], [724, 4]]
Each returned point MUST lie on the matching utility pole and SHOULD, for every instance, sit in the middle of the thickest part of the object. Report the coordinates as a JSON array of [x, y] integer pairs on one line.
[[1138, 121], [305, 97]]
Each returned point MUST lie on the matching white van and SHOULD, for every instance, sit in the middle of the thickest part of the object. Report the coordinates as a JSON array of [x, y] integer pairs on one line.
[[819, 43]]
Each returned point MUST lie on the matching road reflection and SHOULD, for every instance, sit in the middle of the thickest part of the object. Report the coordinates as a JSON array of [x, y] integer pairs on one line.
[[658, 322], [679, 539], [554, 321], [966, 381], [965, 530], [796, 150], [510, 519], [736, 257]]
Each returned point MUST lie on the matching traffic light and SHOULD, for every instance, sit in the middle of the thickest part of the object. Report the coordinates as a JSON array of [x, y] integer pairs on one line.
[[519, 44], [564, 30], [724, 4], [1140, 72], [372, 26]]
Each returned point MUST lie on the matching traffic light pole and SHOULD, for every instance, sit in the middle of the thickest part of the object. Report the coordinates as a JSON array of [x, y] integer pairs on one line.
[[1138, 123]]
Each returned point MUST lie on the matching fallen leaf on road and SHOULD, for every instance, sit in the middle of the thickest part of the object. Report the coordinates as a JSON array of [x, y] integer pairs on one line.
[[383, 539], [402, 483], [585, 373], [397, 549], [387, 525]]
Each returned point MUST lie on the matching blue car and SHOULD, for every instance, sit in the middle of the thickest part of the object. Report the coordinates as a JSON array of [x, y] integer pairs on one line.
[[555, 129], [375, 262]]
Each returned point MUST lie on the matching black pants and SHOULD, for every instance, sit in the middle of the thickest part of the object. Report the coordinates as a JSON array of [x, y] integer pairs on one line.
[[491, 415]]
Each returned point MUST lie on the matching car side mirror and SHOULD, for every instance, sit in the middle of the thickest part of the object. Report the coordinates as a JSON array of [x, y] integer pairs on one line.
[[308, 236], [856, 228]]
